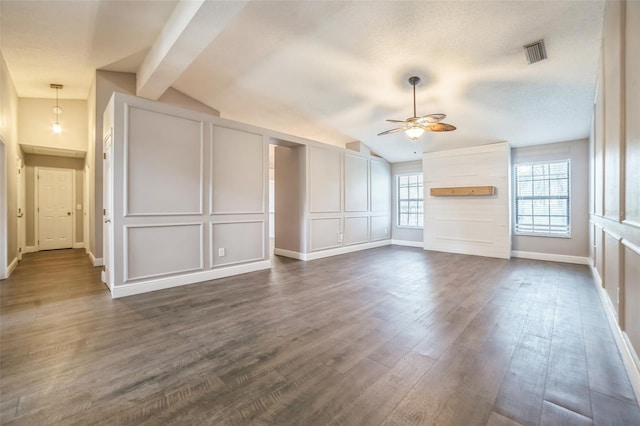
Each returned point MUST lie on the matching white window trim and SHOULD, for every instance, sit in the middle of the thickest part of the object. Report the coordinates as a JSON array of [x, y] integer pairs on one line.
[[397, 201], [515, 197]]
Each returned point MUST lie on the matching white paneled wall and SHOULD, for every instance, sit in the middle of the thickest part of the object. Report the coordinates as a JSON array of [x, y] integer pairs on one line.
[[477, 225], [325, 180], [347, 203], [167, 164], [615, 184]]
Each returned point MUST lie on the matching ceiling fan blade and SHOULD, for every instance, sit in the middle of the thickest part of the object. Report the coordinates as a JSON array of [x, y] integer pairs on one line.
[[399, 129], [431, 118], [438, 127], [396, 121]]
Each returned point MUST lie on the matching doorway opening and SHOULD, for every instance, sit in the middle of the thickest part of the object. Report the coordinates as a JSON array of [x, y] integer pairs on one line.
[[287, 187]]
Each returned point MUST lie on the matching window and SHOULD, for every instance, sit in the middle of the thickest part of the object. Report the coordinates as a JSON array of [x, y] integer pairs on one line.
[[543, 199], [410, 197]]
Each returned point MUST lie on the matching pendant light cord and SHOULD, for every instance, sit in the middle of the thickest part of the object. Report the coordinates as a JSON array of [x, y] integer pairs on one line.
[[58, 107]]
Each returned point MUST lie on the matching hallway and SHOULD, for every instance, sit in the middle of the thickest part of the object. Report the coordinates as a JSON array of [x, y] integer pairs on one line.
[[393, 335]]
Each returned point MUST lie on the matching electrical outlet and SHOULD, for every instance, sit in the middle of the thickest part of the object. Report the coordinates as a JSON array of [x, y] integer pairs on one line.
[[339, 237], [386, 231], [221, 252], [79, 207]]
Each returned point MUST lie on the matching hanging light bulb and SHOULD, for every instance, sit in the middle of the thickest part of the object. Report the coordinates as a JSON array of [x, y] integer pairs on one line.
[[57, 127]]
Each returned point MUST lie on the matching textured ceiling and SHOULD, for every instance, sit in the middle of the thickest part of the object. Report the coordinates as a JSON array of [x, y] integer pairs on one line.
[[334, 71]]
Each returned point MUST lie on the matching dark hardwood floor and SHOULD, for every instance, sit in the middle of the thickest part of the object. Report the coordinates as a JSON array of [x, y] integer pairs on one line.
[[392, 336]]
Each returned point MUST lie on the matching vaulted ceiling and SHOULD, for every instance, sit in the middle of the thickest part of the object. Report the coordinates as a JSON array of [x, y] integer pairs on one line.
[[331, 71]]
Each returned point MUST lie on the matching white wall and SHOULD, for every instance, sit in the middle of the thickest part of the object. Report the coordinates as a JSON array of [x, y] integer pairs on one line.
[[578, 154], [105, 84], [615, 184], [477, 225], [36, 116], [398, 234], [9, 134], [189, 196]]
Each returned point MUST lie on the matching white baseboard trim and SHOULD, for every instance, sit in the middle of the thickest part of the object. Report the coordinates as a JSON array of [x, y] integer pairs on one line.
[[344, 250], [407, 243], [96, 261], [330, 252], [78, 245], [563, 258], [12, 266], [197, 277], [289, 253], [629, 357], [30, 249]]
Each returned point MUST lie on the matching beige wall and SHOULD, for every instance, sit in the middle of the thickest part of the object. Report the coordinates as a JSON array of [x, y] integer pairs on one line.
[[36, 116], [578, 154], [9, 134], [615, 156], [290, 183], [32, 161], [403, 234]]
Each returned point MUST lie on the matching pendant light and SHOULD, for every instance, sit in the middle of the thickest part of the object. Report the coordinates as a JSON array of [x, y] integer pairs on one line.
[[57, 127]]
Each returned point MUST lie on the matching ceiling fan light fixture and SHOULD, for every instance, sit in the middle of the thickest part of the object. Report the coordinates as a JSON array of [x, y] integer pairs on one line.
[[414, 133], [414, 127]]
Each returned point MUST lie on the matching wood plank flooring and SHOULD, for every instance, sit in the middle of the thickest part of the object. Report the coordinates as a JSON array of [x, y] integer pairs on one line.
[[388, 336]]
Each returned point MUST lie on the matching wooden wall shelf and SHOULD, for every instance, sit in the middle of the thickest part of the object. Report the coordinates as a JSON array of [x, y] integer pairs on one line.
[[462, 191]]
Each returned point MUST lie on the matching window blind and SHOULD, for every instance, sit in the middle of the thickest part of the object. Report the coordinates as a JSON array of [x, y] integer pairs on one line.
[[410, 200], [543, 198]]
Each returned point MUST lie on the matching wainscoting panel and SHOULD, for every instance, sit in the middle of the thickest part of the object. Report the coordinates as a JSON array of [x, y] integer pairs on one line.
[[356, 183], [356, 230], [237, 172], [325, 180], [236, 242], [325, 233], [380, 186], [163, 177], [380, 227], [631, 323], [161, 250], [612, 268]]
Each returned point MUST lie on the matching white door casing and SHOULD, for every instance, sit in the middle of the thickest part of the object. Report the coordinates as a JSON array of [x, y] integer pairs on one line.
[[55, 208], [3, 211], [107, 203], [20, 214], [85, 209]]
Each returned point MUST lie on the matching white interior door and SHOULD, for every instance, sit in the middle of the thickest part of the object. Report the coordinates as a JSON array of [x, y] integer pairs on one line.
[[22, 228], [107, 202], [55, 208]]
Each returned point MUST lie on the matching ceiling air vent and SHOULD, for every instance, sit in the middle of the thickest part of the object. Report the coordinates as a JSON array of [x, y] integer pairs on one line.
[[535, 51]]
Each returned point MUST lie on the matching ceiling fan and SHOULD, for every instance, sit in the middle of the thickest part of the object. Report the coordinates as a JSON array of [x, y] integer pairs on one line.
[[414, 127]]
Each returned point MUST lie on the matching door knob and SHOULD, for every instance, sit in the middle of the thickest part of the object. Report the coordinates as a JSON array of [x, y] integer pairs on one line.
[[68, 213], [107, 221]]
